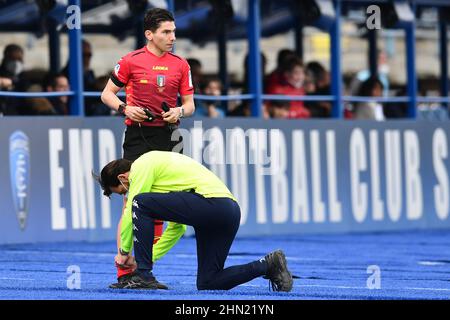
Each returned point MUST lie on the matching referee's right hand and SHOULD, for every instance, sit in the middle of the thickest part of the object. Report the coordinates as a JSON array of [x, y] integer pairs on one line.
[[135, 113]]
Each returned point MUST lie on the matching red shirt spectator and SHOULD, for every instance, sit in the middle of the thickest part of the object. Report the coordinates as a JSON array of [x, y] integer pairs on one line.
[[275, 76], [272, 79], [291, 83]]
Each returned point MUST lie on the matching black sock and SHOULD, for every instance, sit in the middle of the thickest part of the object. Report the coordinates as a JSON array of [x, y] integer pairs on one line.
[[146, 274]]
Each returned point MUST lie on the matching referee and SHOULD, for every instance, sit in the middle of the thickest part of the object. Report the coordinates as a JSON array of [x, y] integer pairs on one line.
[[152, 77], [173, 187]]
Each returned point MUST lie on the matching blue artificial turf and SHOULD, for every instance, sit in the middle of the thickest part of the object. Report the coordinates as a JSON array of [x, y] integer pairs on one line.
[[413, 265]]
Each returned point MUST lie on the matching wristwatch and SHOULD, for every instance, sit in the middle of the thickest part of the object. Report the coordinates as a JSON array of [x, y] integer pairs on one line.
[[122, 108], [124, 253], [181, 112]]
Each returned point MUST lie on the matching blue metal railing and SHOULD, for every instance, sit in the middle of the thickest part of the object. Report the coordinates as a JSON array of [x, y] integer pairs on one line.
[[256, 95], [336, 74], [254, 57], [264, 97], [76, 67], [17, 94], [94, 94]]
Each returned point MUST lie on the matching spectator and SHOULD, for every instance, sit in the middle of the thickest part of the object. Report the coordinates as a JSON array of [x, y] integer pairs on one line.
[[197, 80], [383, 75], [35, 106], [243, 110], [10, 69], [38, 107], [320, 87], [12, 63], [370, 110], [276, 75], [309, 84], [278, 109], [291, 83], [196, 73], [98, 108], [397, 110], [88, 74], [246, 71], [211, 109], [57, 83]]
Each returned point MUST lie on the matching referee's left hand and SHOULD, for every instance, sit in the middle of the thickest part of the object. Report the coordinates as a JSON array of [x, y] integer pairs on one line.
[[129, 263], [172, 115], [123, 262]]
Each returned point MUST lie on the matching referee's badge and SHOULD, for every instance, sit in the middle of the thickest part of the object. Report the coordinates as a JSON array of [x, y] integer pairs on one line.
[[160, 82]]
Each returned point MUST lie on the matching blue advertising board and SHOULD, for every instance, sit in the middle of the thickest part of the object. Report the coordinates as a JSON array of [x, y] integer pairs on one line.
[[290, 177]]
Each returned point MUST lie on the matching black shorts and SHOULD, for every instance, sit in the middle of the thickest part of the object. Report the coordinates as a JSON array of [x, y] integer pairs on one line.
[[140, 140]]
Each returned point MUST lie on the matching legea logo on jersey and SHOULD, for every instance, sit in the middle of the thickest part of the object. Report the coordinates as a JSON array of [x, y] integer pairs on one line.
[[19, 164], [160, 68]]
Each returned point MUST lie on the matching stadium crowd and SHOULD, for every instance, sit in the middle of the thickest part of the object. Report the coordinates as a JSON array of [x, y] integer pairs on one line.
[[291, 77]]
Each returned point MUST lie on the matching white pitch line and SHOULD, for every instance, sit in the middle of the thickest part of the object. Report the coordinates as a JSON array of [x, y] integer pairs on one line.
[[178, 255], [430, 263], [262, 286], [325, 286], [346, 287], [429, 289], [184, 255], [18, 279], [95, 254], [232, 257]]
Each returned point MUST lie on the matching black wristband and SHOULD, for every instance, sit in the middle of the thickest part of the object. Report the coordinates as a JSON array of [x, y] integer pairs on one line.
[[124, 253], [122, 108]]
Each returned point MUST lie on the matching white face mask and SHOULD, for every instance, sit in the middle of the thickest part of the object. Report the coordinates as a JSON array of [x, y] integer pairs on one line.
[[296, 84], [384, 68], [123, 185], [15, 67]]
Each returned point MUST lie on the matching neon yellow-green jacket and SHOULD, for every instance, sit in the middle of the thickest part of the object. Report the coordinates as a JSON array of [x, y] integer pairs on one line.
[[164, 171]]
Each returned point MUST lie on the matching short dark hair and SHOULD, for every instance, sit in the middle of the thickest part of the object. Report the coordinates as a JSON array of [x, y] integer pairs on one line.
[[283, 55], [365, 89], [208, 80], [291, 63], [194, 63], [108, 176], [154, 17], [317, 69], [10, 48]]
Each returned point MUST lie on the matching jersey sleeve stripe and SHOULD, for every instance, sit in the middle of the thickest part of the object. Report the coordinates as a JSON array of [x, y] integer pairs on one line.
[[139, 52], [174, 55], [188, 91]]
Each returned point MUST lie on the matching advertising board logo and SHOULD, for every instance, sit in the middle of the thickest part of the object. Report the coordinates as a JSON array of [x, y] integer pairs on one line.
[[19, 165]]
